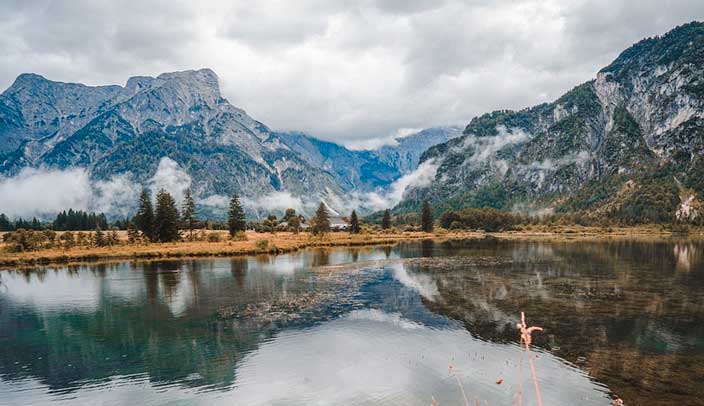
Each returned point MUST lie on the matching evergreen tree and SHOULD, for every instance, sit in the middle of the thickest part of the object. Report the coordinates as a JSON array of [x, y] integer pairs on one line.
[[132, 234], [144, 220], [101, 220], [235, 217], [166, 218], [321, 220], [426, 217], [36, 225], [5, 224], [354, 223], [386, 220], [99, 238], [189, 212]]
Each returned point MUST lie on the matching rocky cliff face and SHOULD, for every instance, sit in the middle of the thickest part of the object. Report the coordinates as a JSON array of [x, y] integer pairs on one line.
[[115, 130], [628, 143], [406, 153]]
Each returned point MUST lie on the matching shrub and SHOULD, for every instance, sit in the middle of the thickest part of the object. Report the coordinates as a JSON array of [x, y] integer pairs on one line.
[[214, 237], [82, 239], [23, 240], [68, 240], [50, 237], [239, 236], [262, 245]]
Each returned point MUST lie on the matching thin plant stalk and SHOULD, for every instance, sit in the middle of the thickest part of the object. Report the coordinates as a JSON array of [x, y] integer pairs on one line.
[[526, 339]]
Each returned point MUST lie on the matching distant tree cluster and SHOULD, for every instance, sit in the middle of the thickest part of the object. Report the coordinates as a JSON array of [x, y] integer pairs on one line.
[[487, 219], [8, 225], [79, 220]]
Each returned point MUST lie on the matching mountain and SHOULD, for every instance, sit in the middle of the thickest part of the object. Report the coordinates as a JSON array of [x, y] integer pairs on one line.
[[405, 154], [182, 116], [628, 145]]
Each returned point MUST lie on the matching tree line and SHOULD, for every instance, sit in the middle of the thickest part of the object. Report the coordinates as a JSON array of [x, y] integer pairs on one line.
[[162, 221], [73, 220]]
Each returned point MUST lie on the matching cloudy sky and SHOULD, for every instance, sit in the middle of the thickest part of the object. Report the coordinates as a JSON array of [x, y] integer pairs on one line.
[[355, 72]]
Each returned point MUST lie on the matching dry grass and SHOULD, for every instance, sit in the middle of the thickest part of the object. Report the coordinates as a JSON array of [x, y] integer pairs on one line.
[[256, 243]]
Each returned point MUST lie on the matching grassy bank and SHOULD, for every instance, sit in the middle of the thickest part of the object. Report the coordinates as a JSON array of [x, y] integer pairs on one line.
[[256, 243], [261, 243]]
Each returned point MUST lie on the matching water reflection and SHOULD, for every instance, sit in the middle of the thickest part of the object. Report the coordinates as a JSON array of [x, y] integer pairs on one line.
[[360, 326]]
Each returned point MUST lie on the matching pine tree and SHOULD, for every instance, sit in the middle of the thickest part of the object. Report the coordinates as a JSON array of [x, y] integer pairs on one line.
[[321, 220], [144, 220], [99, 238], [5, 223], [386, 220], [166, 218], [427, 217], [354, 223], [189, 212], [235, 217], [132, 233]]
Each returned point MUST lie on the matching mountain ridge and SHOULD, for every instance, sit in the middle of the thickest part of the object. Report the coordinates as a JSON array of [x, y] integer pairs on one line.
[[640, 122], [114, 130]]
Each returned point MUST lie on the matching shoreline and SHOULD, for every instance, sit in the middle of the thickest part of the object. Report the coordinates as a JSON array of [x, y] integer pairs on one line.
[[285, 242]]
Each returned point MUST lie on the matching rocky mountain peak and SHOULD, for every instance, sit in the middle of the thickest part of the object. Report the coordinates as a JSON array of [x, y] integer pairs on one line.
[[137, 83], [204, 77], [24, 80]]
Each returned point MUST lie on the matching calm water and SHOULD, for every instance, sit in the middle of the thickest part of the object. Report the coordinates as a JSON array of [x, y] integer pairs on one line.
[[376, 326]]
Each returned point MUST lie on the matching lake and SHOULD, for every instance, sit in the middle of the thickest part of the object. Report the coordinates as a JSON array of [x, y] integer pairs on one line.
[[404, 324]]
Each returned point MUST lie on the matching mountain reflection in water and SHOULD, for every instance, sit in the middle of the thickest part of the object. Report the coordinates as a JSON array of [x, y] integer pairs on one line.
[[361, 326]]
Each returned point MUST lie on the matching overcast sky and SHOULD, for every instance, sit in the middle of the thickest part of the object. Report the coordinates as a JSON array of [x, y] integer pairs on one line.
[[355, 72]]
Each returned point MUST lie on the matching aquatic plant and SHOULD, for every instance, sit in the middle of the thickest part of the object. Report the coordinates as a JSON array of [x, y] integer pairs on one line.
[[526, 340]]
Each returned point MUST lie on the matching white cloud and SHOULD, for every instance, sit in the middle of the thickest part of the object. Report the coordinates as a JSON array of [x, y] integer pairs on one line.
[[36, 192], [422, 283], [117, 196], [343, 71], [553, 164], [383, 199], [215, 201], [485, 148], [44, 192], [421, 177], [170, 177], [277, 201]]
